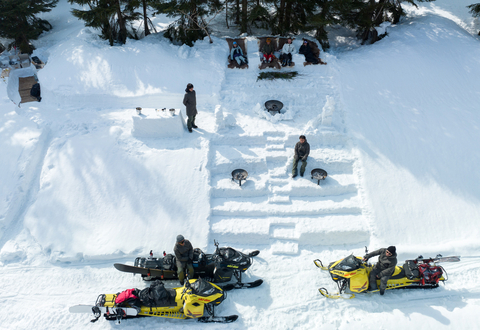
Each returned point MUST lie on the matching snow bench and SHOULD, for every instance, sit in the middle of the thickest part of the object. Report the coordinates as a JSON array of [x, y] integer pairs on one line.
[[155, 123]]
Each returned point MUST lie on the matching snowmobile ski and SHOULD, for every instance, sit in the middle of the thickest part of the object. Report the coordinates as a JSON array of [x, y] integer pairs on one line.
[[337, 295], [239, 285], [218, 319]]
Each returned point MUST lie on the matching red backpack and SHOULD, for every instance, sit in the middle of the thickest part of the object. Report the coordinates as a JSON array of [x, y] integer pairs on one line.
[[125, 295]]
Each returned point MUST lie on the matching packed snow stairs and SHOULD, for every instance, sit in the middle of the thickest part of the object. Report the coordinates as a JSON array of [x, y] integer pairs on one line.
[[270, 207]]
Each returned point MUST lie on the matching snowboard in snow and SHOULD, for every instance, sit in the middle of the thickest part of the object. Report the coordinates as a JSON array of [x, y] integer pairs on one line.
[[165, 274], [111, 310]]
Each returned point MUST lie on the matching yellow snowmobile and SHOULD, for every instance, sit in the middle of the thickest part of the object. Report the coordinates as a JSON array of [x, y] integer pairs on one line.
[[352, 275], [195, 300]]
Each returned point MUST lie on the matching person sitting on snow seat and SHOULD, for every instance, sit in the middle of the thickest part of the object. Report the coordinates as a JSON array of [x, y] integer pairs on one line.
[[302, 150], [184, 253], [384, 268], [287, 51], [237, 54], [267, 51], [306, 50]]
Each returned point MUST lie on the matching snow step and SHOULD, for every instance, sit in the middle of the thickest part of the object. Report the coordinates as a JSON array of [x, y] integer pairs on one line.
[[282, 247], [277, 172], [278, 199], [276, 146], [259, 206], [283, 231], [318, 230]]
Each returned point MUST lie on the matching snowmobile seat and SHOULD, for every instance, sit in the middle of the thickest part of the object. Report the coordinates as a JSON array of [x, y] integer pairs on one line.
[[398, 273], [316, 52], [282, 41], [274, 64], [241, 43]]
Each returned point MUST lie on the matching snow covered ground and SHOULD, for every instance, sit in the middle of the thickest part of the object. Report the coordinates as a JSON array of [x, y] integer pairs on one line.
[[80, 192]]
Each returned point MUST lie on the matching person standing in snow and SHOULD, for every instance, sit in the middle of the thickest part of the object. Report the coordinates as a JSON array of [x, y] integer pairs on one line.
[[190, 101], [237, 54], [287, 51], [302, 150], [384, 268], [267, 51], [183, 250]]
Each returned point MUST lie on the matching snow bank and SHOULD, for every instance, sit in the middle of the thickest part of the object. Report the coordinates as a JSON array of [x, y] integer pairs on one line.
[[153, 66], [414, 116]]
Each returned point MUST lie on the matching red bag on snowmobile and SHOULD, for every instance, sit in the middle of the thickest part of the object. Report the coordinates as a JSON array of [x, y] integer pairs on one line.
[[430, 274], [125, 295]]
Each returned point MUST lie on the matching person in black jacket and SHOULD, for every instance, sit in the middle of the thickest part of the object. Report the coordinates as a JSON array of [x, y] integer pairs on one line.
[[384, 268], [190, 102], [306, 50], [302, 150], [184, 253]]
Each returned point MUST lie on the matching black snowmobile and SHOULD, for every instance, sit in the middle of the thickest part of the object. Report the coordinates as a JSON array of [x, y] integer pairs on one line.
[[218, 267]]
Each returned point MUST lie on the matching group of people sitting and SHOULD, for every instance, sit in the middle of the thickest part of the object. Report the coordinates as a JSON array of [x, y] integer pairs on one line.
[[268, 50]]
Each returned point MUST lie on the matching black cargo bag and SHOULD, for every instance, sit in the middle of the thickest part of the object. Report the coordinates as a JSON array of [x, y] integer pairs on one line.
[[411, 269]]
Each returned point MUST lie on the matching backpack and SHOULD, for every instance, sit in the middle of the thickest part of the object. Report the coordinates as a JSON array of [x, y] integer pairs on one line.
[[155, 295], [126, 296], [411, 269]]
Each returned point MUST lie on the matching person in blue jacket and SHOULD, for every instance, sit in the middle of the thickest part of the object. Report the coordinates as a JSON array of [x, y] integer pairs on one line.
[[237, 54]]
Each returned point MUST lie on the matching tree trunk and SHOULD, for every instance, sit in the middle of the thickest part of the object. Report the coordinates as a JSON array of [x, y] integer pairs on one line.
[[121, 23], [281, 15], [244, 16], [226, 13], [288, 16], [237, 12], [145, 18]]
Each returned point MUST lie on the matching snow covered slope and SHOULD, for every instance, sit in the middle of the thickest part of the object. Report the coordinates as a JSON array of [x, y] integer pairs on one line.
[[79, 192]]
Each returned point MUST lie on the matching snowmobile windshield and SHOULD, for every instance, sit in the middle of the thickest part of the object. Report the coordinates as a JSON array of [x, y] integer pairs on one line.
[[228, 253], [348, 264], [203, 288]]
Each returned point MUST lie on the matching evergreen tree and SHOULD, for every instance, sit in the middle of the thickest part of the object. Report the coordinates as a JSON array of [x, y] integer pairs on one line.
[[475, 9], [18, 21], [110, 16], [375, 12], [190, 24]]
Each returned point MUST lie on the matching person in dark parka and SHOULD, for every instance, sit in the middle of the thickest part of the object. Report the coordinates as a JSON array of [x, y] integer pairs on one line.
[[190, 101], [307, 51], [384, 268], [302, 150], [183, 250]]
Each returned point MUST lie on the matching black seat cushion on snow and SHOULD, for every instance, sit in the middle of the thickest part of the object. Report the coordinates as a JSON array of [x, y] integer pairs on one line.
[[35, 91]]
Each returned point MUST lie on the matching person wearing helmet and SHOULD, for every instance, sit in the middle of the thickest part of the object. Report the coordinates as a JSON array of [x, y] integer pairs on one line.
[[237, 54], [384, 268], [183, 250]]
